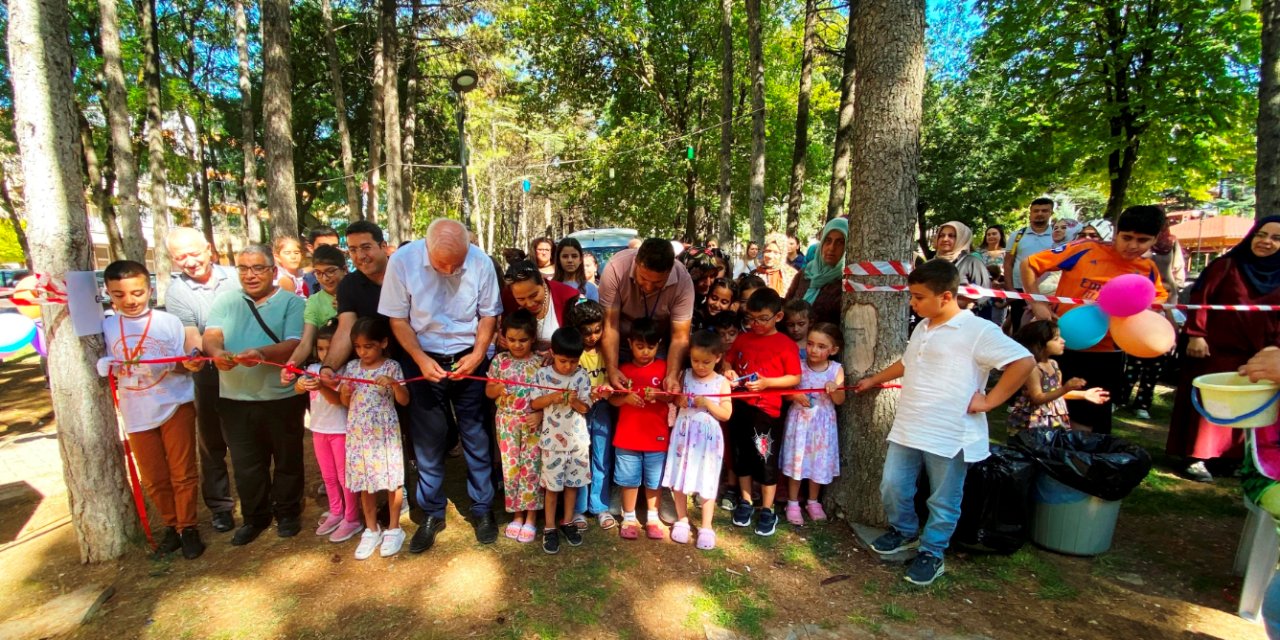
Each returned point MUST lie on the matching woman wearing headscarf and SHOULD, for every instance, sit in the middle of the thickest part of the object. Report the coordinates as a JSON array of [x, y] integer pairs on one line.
[[821, 282], [773, 268], [1224, 340], [953, 245]]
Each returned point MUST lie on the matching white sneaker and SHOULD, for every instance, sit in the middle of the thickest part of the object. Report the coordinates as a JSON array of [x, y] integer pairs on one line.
[[369, 540], [392, 539]]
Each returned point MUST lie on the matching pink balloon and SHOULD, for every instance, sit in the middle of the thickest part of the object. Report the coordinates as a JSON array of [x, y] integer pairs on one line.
[[1126, 295]]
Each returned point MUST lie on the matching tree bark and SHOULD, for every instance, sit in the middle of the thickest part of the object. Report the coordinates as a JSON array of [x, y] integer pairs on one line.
[[14, 218], [340, 106], [99, 193], [119, 123], [795, 198], [277, 118], [1267, 168], [410, 111], [249, 219], [398, 228], [202, 182], [375, 127], [102, 514], [724, 228], [886, 154], [844, 129], [756, 184], [156, 150]]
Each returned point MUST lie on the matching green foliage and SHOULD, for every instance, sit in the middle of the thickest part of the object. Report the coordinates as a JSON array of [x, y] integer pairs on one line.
[[10, 250]]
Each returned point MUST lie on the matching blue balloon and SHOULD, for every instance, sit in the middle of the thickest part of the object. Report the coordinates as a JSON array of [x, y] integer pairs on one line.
[[1083, 326]]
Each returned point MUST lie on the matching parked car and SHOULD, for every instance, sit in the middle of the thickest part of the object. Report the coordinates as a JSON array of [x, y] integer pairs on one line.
[[604, 242]]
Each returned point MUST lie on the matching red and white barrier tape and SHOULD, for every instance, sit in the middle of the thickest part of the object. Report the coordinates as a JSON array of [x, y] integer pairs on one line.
[[979, 292], [877, 268]]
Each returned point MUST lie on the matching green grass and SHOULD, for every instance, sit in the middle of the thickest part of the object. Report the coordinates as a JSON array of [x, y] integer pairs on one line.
[[732, 602], [897, 612], [866, 623], [579, 594], [1027, 564], [1162, 493]]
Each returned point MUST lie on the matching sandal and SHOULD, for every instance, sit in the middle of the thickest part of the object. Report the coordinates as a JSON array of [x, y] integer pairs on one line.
[[655, 531], [527, 533], [606, 521], [680, 533], [815, 511], [630, 530], [793, 515], [513, 529], [706, 539], [580, 521]]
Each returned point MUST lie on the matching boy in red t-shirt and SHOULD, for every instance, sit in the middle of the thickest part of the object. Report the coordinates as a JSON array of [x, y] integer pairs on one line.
[[1087, 266], [641, 438], [760, 359]]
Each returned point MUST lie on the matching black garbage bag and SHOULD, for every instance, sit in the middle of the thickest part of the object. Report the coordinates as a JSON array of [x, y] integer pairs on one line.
[[995, 515], [1099, 465]]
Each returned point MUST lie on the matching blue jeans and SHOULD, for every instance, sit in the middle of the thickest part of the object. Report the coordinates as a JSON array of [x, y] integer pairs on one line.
[[429, 404], [595, 499], [636, 468], [902, 467]]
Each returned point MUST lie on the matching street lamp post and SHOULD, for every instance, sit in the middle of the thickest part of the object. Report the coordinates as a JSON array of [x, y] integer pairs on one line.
[[463, 82]]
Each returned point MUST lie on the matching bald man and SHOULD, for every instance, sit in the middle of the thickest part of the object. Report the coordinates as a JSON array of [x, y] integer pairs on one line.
[[442, 297], [191, 294]]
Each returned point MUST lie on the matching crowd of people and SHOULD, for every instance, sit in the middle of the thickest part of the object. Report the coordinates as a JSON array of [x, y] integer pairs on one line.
[[557, 379]]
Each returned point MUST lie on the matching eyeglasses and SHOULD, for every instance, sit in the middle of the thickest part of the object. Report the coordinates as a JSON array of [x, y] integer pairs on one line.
[[328, 273], [750, 320], [257, 269]]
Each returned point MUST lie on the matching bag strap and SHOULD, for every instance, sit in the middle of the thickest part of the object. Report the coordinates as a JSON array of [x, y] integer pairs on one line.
[[261, 323]]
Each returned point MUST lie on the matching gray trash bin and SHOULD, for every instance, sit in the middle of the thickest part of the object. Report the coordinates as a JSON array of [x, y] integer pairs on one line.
[[1070, 521]]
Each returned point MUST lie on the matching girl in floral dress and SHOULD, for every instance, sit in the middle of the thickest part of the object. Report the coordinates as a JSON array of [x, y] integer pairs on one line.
[[811, 446], [518, 427], [696, 450], [1041, 403], [375, 457]]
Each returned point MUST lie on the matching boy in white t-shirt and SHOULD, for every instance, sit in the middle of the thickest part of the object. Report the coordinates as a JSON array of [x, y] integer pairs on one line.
[[941, 423], [157, 402]]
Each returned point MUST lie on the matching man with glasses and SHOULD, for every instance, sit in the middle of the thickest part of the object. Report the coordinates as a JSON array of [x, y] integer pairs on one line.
[[261, 416], [442, 296], [1037, 236], [191, 294]]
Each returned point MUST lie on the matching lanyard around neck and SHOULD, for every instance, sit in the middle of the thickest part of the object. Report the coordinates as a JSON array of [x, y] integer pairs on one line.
[[135, 353]]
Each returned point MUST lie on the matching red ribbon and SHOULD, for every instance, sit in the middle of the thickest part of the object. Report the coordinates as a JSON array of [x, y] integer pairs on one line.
[[134, 481]]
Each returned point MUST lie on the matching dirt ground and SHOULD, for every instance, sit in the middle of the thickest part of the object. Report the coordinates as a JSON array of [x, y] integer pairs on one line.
[[1168, 574]]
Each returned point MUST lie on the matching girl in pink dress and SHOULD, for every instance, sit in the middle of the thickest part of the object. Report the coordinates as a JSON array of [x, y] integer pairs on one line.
[[811, 446]]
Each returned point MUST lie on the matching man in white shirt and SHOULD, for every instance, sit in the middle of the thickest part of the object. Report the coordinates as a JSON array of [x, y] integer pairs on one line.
[[941, 423], [1037, 236], [442, 297]]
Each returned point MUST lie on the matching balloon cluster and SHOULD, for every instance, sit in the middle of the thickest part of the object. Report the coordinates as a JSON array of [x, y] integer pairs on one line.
[[18, 331], [1123, 309]]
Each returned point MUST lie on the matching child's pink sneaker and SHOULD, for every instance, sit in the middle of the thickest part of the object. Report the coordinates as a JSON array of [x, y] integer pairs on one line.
[[630, 530], [815, 511], [346, 531], [328, 525], [794, 515]]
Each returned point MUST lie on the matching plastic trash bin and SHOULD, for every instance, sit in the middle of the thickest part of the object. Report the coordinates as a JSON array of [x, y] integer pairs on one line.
[[1256, 559], [1070, 521]]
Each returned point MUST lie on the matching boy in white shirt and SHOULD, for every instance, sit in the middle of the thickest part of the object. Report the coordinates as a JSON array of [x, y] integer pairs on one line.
[[941, 423], [157, 402]]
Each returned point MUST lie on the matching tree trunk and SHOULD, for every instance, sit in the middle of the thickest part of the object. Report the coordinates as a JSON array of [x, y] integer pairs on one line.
[[844, 130], [102, 512], [796, 196], [99, 194], [375, 127], [756, 190], [156, 150], [1267, 169], [249, 218], [202, 183], [724, 228], [1120, 167], [886, 154], [277, 118], [410, 111], [15, 219], [399, 229], [340, 106], [119, 123]]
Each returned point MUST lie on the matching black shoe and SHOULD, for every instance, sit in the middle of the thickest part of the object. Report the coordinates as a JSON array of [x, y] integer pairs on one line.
[[550, 541], [571, 534], [246, 534], [486, 528], [192, 546], [742, 514], [169, 542], [288, 527], [425, 536], [767, 523], [223, 521]]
